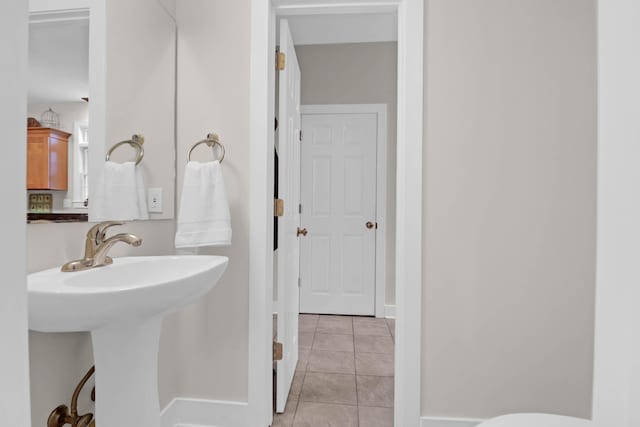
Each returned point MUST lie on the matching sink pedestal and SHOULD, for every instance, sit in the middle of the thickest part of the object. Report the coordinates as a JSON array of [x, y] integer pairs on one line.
[[122, 305], [126, 359]]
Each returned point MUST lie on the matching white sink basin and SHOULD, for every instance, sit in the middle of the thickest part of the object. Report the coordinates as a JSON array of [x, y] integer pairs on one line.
[[122, 305], [131, 288]]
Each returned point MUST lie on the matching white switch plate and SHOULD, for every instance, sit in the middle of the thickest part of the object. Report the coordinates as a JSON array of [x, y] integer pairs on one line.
[[154, 199]]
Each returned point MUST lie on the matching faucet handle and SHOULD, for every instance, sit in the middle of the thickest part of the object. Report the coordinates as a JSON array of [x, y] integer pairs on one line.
[[97, 232], [106, 224]]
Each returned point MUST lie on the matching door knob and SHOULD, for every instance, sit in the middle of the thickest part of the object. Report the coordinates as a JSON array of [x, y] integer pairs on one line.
[[370, 225], [302, 231]]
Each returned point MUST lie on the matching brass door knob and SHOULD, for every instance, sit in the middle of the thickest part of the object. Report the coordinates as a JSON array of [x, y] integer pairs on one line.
[[302, 231], [370, 225]]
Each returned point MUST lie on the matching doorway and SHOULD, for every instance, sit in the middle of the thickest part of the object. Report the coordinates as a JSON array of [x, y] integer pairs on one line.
[[330, 258], [408, 195]]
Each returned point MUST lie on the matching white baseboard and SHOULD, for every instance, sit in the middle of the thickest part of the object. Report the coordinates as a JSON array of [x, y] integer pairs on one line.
[[448, 422], [204, 413], [183, 412], [390, 311]]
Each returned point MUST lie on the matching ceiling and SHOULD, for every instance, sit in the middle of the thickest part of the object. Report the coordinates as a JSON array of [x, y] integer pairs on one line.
[[58, 60], [59, 50], [347, 28]]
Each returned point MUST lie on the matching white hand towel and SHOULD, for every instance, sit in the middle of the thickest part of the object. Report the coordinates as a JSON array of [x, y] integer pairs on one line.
[[120, 195], [204, 218]]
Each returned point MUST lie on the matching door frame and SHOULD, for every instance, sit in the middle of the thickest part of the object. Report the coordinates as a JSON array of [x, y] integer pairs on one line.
[[15, 404], [380, 110], [409, 197]]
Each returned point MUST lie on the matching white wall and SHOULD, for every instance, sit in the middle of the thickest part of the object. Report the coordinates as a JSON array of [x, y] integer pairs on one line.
[[68, 112], [169, 6], [14, 383], [617, 369], [367, 74], [509, 207], [47, 5], [139, 93], [347, 28], [210, 339]]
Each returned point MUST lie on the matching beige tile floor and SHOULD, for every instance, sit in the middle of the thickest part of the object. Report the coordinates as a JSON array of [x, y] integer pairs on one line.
[[344, 376]]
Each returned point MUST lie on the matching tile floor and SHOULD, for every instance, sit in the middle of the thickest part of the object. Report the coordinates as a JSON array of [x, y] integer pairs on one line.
[[344, 376]]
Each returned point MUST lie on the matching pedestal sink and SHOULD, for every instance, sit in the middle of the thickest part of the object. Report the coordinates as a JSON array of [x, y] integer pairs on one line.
[[122, 305]]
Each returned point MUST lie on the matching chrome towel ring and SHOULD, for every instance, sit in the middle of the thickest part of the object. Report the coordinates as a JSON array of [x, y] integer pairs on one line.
[[136, 142], [211, 140]]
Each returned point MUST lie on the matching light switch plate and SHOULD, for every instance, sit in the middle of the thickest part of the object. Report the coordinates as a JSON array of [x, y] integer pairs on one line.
[[154, 200]]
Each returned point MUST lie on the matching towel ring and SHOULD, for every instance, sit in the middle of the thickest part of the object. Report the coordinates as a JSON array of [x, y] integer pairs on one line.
[[136, 142], [211, 140]]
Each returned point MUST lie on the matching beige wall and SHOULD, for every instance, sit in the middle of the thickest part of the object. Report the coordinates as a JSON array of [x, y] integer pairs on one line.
[[509, 207], [358, 73], [209, 341]]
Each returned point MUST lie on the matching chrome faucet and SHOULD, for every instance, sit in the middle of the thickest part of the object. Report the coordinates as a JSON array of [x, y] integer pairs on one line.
[[101, 257], [97, 246]]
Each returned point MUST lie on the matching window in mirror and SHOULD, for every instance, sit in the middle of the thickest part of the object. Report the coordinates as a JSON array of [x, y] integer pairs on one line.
[[80, 168]]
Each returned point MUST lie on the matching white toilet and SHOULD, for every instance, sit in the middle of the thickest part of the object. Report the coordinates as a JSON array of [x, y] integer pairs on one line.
[[536, 420]]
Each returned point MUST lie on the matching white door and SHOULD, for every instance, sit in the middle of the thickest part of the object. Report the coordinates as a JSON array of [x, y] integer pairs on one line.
[[337, 261], [288, 240]]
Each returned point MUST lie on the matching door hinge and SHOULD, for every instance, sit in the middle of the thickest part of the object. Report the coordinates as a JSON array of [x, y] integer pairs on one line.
[[300, 135], [299, 281], [281, 60], [277, 350], [300, 208], [278, 207]]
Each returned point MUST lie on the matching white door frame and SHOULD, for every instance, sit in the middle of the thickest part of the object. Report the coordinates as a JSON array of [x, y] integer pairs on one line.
[[408, 197], [14, 361], [381, 185]]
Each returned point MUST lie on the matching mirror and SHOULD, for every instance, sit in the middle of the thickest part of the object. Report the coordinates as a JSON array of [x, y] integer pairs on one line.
[[100, 71], [58, 113]]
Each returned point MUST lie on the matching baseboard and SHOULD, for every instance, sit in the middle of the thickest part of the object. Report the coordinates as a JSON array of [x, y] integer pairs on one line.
[[448, 422], [390, 311], [183, 412]]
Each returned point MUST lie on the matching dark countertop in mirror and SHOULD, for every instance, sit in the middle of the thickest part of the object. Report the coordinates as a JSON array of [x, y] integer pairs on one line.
[[43, 218]]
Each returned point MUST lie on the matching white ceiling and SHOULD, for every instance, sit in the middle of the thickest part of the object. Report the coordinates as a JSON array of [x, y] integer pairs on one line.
[[59, 51], [58, 60], [347, 28]]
